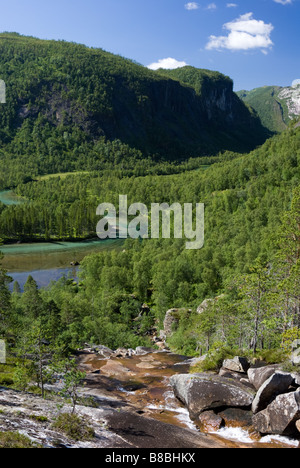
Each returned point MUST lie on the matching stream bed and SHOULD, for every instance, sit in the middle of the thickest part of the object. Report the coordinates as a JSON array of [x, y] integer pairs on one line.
[[142, 383]]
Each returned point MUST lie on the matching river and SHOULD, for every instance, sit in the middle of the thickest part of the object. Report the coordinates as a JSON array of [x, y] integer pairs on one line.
[[47, 261], [142, 385]]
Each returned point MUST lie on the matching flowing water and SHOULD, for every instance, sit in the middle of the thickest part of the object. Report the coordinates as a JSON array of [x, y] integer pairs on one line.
[[143, 383]]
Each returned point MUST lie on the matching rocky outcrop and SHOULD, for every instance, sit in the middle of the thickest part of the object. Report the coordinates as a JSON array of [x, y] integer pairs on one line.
[[268, 400], [295, 358], [210, 421], [201, 392], [281, 416], [171, 320], [258, 376], [277, 384], [237, 364]]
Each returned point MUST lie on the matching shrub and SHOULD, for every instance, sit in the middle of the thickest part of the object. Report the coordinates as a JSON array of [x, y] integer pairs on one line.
[[73, 426], [16, 440]]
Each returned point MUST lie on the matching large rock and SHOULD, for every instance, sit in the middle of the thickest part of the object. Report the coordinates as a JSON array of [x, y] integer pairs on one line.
[[142, 351], [278, 383], [281, 416], [237, 364], [172, 319], [202, 392], [210, 421], [295, 358], [258, 376]]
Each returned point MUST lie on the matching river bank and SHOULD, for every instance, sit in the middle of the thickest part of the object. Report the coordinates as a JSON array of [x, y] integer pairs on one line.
[[47, 262], [143, 383]]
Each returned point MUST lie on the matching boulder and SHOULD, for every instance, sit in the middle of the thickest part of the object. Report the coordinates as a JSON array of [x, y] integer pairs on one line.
[[142, 351], [103, 351], [281, 416], [210, 421], [237, 364], [236, 417], [230, 374], [295, 357], [172, 320], [258, 376], [202, 392], [296, 344], [121, 352], [278, 383]]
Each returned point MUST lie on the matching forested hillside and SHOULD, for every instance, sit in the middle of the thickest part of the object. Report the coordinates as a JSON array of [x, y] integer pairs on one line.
[[67, 103], [249, 218], [276, 106]]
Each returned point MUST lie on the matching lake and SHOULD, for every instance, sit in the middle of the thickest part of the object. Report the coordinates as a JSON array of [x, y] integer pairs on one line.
[[47, 261], [8, 197]]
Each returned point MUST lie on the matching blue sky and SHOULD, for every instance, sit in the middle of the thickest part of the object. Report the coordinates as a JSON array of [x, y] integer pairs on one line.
[[255, 42]]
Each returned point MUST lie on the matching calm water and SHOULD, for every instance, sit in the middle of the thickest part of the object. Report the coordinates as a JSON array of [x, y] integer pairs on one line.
[[47, 262], [8, 197]]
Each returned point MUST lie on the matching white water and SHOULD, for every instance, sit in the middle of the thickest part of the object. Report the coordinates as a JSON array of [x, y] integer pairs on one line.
[[241, 435]]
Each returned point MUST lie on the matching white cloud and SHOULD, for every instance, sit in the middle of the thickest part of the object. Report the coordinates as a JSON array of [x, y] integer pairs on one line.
[[168, 63], [211, 6], [284, 2], [231, 5], [191, 6], [296, 82], [245, 33]]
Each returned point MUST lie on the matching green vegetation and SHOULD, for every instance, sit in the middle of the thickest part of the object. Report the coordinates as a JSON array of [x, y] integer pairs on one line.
[[79, 110], [71, 108], [272, 110], [9, 440], [249, 261], [74, 426]]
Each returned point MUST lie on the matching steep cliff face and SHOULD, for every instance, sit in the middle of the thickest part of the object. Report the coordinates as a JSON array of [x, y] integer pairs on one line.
[[276, 106], [221, 108], [90, 93]]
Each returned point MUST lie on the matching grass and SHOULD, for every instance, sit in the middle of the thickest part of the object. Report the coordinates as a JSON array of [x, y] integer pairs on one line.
[[16, 440], [62, 175], [74, 427]]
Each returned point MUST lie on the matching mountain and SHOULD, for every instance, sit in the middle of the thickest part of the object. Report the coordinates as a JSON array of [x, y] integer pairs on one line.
[[65, 101], [276, 106]]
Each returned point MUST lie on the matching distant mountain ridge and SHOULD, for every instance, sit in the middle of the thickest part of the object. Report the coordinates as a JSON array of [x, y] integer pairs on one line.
[[65, 98], [275, 105]]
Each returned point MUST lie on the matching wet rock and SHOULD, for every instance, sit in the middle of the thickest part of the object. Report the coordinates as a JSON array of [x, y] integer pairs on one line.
[[121, 352], [237, 364], [142, 351], [210, 421], [278, 383], [114, 368], [201, 392], [141, 432], [103, 351], [236, 417], [258, 376], [281, 416]]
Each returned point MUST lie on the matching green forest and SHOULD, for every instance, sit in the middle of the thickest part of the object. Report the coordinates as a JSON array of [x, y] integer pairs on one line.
[[250, 260], [63, 153]]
